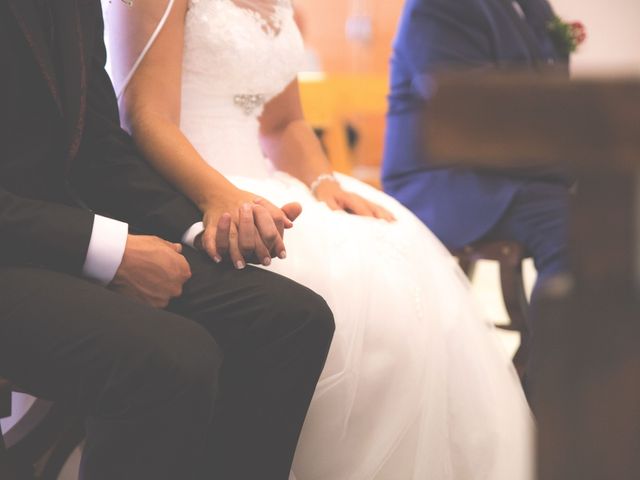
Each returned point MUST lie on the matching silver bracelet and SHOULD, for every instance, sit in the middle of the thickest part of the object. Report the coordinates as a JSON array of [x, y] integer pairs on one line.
[[321, 178]]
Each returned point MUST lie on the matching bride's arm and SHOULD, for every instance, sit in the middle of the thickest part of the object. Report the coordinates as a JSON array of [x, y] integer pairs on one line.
[[293, 147], [151, 112]]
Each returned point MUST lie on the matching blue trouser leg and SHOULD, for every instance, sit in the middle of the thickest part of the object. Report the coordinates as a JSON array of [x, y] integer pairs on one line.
[[538, 218]]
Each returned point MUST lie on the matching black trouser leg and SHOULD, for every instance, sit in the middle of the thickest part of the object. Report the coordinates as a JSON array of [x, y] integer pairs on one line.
[[538, 217], [146, 378], [275, 335]]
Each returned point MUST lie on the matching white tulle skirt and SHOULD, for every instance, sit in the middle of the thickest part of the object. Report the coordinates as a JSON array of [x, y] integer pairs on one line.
[[416, 386]]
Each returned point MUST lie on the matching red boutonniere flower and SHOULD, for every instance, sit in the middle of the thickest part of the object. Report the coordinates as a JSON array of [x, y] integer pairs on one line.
[[567, 36]]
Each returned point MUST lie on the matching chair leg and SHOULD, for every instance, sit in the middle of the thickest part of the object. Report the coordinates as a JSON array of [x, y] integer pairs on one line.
[[521, 357], [28, 437], [43, 439], [7, 472], [515, 301], [71, 437], [468, 266], [514, 297], [7, 468]]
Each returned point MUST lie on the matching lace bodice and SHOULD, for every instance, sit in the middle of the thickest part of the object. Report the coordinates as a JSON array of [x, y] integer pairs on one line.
[[235, 50], [235, 60]]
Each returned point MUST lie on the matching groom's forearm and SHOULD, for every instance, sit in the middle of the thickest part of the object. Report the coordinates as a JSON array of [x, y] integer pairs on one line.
[[129, 194], [34, 232], [114, 180], [50, 235]]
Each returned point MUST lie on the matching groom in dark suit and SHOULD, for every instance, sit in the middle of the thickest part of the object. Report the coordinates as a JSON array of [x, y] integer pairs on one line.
[[461, 205], [79, 292]]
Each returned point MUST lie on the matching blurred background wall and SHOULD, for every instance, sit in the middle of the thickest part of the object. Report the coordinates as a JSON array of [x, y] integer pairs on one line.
[[613, 27], [326, 32]]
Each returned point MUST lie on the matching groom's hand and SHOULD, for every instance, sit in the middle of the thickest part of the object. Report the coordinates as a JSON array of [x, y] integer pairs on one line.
[[152, 271], [246, 228]]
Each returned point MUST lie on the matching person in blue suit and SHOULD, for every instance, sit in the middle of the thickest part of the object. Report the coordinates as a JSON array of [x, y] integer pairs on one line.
[[461, 205]]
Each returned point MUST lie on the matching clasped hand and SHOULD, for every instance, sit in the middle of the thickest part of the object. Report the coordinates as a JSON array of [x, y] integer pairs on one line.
[[246, 229]]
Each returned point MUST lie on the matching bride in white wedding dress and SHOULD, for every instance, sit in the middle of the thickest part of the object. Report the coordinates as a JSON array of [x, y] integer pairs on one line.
[[415, 386]]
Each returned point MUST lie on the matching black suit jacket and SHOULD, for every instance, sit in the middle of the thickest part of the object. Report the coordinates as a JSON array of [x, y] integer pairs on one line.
[[62, 150]]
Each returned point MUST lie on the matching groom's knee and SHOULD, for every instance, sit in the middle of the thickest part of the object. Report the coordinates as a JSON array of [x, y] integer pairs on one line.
[[173, 367], [316, 314], [301, 313]]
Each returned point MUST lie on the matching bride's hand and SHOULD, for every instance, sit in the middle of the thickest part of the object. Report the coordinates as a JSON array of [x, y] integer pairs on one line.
[[331, 193], [246, 228]]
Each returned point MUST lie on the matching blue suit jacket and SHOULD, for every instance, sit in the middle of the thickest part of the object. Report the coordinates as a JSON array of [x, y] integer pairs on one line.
[[458, 205]]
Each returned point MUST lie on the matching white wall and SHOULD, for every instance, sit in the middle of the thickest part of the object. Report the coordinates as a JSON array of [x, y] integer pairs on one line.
[[613, 29]]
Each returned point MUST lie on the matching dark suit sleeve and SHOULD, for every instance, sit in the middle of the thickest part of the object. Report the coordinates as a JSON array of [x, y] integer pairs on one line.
[[109, 173], [444, 34], [41, 233]]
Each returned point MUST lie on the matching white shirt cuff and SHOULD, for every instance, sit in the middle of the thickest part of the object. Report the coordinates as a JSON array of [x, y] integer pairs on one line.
[[106, 249], [190, 235]]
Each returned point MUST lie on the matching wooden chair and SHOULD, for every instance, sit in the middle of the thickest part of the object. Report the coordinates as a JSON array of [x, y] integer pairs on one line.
[[510, 256], [330, 102], [320, 100], [38, 445]]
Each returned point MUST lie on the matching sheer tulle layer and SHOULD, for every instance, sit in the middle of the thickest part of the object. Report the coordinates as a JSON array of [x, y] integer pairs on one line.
[[416, 386]]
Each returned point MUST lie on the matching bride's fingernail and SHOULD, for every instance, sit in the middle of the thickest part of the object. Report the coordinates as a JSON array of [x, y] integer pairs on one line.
[[240, 265], [267, 261], [282, 254], [217, 258]]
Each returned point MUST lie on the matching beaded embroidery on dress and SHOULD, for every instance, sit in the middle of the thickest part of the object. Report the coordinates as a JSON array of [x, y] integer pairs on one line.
[[415, 386]]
